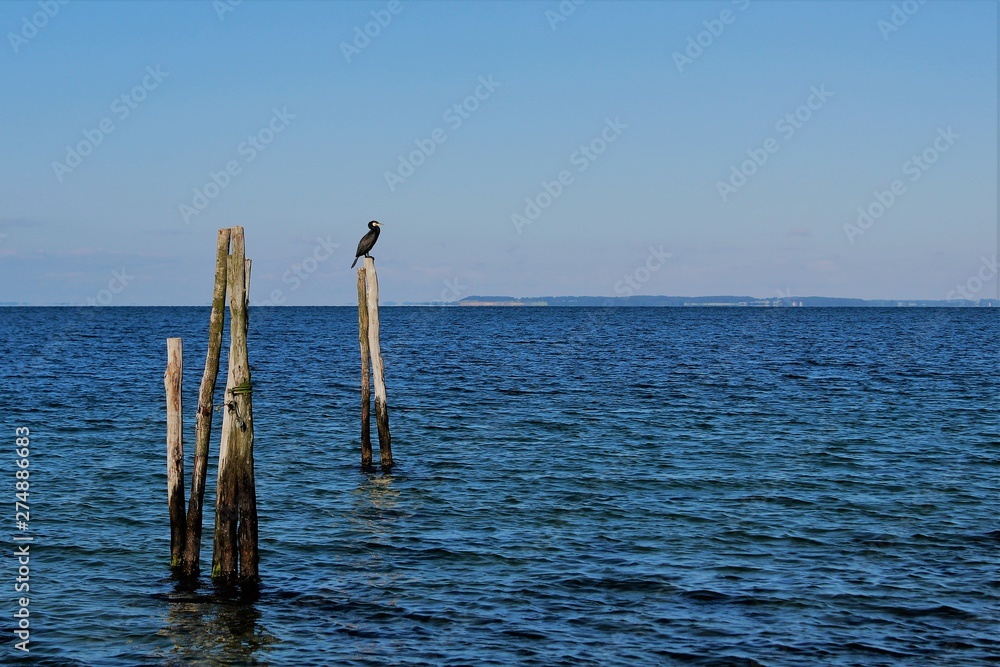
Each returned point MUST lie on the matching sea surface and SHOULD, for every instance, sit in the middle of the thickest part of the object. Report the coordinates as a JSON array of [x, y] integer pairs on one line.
[[574, 486]]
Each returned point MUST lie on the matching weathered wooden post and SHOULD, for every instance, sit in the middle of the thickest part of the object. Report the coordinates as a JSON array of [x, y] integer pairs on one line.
[[248, 536], [235, 555], [206, 398], [378, 370], [366, 390], [172, 382]]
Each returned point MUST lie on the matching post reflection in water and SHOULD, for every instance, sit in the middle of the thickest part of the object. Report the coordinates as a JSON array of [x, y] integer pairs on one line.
[[379, 579], [374, 516], [375, 503], [214, 629]]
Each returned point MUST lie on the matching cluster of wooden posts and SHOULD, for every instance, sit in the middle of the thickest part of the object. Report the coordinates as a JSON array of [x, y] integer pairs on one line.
[[235, 557]]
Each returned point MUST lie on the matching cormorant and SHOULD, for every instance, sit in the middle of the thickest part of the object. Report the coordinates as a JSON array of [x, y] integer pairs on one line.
[[367, 241]]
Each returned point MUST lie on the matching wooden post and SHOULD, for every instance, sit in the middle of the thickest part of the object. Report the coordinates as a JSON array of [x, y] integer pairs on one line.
[[248, 536], [206, 399], [366, 390], [172, 381], [378, 370], [236, 500]]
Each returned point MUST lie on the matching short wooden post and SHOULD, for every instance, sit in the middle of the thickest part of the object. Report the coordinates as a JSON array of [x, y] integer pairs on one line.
[[235, 555], [378, 370], [172, 382], [366, 389], [206, 399]]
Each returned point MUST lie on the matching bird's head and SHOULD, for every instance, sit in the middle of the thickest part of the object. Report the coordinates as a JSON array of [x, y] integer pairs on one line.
[[373, 224]]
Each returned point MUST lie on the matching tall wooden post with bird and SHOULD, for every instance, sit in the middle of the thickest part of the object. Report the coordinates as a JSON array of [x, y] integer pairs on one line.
[[372, 368]]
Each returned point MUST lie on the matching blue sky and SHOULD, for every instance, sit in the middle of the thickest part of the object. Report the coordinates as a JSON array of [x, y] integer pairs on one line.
[[691, 177]]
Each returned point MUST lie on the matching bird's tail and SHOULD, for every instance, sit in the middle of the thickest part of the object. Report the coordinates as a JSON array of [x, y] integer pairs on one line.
[[355, 261]]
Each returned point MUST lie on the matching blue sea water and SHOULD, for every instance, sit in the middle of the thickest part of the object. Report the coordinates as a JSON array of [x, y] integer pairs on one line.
[[573, 486]]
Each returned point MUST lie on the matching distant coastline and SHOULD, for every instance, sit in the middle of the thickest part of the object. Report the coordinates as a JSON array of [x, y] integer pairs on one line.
[[716, 301]]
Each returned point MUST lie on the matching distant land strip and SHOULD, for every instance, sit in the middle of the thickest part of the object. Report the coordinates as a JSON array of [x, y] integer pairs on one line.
[[708, 301]]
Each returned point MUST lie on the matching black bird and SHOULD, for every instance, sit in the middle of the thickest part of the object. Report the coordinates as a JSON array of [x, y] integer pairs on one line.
[[367, 241]]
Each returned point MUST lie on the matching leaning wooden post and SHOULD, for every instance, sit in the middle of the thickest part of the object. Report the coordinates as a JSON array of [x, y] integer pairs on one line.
[[175, 448], [206, 399], [378, 370], [366, 389], [235, 555]]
